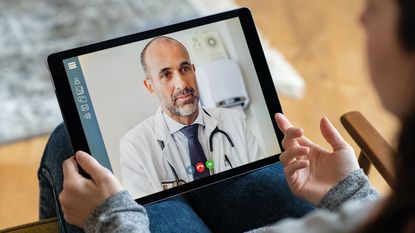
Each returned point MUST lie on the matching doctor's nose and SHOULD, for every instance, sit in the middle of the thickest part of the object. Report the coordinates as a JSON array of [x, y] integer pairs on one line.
[[179, 80]]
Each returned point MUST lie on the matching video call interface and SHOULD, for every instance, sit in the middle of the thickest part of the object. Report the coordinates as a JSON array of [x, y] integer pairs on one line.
[[172, 109]]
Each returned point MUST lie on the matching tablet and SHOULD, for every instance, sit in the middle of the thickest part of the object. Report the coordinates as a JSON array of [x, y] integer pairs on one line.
[[175, 108]]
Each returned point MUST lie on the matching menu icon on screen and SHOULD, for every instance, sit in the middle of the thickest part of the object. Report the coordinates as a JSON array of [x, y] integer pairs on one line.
[[79, 90], [72, 65], [76, 81]]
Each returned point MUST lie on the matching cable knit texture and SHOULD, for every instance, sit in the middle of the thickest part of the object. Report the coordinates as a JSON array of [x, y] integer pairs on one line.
[[355, 186], [119, 213]]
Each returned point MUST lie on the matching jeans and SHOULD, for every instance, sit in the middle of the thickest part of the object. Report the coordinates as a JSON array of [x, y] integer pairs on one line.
[[238, 204]]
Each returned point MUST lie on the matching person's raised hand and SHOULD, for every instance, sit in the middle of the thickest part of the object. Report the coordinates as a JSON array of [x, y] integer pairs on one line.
[[311, 170], [80, 196]]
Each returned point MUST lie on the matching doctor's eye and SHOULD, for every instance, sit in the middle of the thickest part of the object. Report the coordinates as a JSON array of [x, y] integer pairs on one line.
[[165, 75], [185, 69]]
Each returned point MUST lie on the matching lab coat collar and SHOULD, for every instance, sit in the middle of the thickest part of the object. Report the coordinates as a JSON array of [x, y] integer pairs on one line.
[[160, 126], [210, 122], [174, 126], [162, 132]]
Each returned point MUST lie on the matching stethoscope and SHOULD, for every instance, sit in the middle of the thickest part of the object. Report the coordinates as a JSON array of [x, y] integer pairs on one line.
[[177, 181]]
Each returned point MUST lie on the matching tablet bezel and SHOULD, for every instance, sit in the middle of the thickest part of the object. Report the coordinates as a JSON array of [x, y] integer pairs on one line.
[[73, 123]]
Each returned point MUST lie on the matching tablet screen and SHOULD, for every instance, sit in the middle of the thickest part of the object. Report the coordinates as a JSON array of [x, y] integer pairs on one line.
[[174, 108]]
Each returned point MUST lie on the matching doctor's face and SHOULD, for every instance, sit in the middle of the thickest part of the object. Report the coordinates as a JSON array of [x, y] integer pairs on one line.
[[171, 76]]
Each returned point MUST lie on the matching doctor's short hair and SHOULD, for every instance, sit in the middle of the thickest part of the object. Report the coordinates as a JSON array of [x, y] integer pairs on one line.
[[143, 52]]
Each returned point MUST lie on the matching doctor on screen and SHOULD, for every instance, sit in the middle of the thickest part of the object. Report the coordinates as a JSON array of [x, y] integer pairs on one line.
[[182, 142]]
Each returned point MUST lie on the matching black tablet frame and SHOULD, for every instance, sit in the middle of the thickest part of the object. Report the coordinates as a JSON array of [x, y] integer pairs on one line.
[[73, 122]]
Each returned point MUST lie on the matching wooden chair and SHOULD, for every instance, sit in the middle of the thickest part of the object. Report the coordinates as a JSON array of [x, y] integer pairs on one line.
[[374, 150], [42, 226]]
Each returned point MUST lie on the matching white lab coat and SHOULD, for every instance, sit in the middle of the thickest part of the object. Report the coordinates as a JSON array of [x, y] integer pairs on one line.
[[146, 150]]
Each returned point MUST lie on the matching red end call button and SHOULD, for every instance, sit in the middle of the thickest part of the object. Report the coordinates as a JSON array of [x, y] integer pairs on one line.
[[200, 167]]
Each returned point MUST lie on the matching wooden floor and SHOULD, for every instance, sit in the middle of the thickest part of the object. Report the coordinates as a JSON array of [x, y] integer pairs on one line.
[[324, 42], [18, 181]]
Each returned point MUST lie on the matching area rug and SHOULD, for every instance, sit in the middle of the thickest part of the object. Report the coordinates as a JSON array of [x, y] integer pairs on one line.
[[31, 30]]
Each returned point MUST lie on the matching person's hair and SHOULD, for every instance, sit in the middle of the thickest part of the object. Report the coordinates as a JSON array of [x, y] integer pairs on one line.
[[143, 52], [398, 213]]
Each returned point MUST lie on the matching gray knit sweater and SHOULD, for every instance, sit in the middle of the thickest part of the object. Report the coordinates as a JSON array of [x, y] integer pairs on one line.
[[343, 209]]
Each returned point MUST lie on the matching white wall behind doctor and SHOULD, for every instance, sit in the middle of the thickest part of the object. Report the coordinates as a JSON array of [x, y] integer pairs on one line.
[[115, 83], [114, 78]]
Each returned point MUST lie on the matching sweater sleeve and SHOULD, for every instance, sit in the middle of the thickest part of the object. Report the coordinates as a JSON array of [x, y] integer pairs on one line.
[[118, 214], [344, 208], [347, 218], [355, 186]]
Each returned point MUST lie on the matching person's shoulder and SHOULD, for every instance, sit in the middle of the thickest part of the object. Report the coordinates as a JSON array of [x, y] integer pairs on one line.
[[225, 113], [140, 131], [137, 141], [233, 118]]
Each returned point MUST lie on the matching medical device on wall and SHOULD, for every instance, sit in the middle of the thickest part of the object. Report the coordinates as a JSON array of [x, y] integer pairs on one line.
[[206, 46], [221, 84]]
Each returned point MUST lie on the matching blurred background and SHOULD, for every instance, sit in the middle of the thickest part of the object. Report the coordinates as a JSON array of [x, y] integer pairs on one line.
[[315, 49]]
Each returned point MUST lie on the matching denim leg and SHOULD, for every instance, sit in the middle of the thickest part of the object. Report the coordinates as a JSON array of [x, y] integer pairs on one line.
[[50, 175], [171, 215], [247, 202], [174, 215]]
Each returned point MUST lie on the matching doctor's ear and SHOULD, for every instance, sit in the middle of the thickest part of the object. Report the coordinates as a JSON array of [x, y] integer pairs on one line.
[[148, 83]]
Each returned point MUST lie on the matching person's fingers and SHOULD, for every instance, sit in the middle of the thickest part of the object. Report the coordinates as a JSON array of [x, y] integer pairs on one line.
[[282, 122], [304, 141], [291, 136], [70, 168], [90, 165], [290, 154], [331, 135], [294, 166]]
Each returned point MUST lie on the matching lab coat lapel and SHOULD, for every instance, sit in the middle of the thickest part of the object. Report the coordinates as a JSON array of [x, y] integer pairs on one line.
[[210, 122], [219, 143], [160, 127]]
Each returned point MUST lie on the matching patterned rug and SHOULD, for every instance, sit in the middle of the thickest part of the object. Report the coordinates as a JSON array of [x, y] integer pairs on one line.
[[31, 30]]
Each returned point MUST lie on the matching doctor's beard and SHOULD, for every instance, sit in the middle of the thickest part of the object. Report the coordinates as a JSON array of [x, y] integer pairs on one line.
[[186, 109]]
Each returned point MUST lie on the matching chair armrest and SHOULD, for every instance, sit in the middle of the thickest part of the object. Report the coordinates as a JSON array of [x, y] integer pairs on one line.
[[43, 226], [372, 144]]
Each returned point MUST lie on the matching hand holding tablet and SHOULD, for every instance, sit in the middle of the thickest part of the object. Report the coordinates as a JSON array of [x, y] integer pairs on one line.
[[81, 195]]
